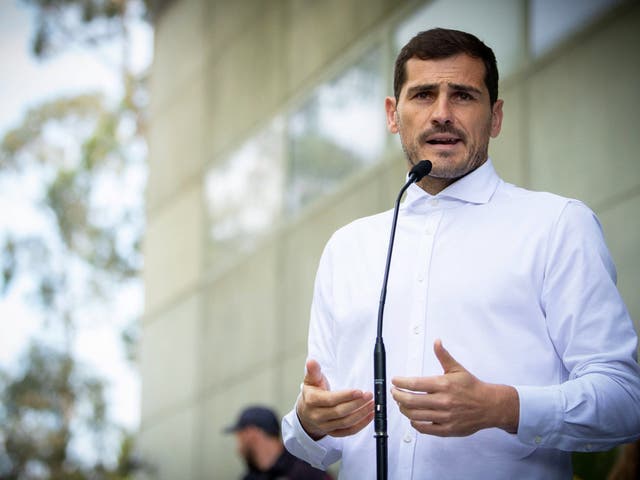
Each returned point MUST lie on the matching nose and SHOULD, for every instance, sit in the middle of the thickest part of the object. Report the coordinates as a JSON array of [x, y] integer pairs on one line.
[[441, 113]]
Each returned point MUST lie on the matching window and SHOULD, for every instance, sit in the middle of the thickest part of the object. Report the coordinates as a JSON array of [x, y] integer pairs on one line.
[[336, 132], [552, 21], [496, 22], [244, 191]]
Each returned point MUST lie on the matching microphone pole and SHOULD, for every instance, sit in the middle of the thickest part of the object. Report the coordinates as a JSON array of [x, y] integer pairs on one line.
[[418, 171]]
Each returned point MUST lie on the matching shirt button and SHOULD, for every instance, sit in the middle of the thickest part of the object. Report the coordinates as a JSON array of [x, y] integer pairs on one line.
[[420, 278], [428, 230], [434, 202], [416, 329], [407, 438], [538, 439]]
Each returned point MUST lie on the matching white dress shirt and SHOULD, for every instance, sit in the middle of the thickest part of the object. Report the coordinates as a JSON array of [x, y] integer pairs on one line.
[[520, 287]]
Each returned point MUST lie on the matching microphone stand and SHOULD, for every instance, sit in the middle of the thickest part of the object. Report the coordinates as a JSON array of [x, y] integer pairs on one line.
[[421, 169]]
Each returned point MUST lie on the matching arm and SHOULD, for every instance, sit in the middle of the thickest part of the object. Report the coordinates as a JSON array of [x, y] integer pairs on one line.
[[312, 430], [599, 405]]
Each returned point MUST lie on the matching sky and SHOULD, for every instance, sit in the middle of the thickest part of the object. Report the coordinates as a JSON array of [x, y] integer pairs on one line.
[[26, 82]]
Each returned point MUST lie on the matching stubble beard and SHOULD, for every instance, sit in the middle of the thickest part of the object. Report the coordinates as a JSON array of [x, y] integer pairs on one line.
[[249, 456], [444, 169]]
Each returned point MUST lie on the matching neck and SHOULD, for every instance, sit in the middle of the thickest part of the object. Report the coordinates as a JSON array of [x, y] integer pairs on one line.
[[433, 186]]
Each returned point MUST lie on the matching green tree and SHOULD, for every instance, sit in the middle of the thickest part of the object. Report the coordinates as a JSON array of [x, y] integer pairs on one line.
[[61, 23], [45, 404], [80, 161]]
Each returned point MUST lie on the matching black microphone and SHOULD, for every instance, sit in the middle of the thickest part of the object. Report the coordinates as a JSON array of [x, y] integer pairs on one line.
[[418, 171]]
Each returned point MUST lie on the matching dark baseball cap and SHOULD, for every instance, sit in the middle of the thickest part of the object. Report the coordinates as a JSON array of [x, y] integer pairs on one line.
[[262, 417]]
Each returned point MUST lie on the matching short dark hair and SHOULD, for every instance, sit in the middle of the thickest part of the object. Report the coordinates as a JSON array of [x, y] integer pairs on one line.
[[441, 43]]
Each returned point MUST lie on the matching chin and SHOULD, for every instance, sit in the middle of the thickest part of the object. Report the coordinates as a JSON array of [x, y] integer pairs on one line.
[[448, 171]]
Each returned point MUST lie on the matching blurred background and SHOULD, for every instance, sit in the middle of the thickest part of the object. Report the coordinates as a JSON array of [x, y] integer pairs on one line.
[[170, 171]]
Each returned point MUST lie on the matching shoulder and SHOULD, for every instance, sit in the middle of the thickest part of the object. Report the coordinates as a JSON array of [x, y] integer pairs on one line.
[[546, 207], [525, 197], [361, 229], [568, 227]]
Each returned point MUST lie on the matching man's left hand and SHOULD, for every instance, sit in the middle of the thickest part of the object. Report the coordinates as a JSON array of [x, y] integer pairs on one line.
[[455, 404]]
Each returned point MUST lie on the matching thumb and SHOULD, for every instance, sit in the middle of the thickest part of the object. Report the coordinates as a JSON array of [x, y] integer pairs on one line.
[[313, 375], [449, 364]]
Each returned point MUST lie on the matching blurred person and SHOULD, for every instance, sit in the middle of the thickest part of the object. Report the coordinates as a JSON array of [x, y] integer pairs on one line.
[[258, 442], [519, 286], [627, 465]]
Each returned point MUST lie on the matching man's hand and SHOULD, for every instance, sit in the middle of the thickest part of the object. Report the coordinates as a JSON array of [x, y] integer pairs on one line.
[[455, 404], [323, 412]]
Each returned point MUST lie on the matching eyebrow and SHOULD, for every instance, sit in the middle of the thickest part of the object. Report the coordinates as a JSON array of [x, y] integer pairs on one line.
[[465, 88], [435, 86]]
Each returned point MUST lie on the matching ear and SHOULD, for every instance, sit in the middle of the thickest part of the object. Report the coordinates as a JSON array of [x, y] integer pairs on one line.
[[496, 118], [392, 114]]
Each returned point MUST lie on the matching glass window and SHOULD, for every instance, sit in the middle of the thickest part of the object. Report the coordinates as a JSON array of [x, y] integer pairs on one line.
[[244, 192], [552, 21], [498, 23], [337, 131]]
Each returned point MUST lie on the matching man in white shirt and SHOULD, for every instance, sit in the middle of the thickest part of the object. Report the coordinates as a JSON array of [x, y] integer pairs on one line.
[[507, 341]]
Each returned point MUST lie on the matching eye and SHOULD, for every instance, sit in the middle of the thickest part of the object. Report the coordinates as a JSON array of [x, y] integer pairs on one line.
[[464, 96], [423, 95]]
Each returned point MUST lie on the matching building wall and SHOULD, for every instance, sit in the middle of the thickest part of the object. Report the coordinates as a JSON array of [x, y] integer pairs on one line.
[[215, 340]]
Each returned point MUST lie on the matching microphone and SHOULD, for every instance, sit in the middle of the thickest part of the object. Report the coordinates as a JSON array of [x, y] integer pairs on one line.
[[418, 171]]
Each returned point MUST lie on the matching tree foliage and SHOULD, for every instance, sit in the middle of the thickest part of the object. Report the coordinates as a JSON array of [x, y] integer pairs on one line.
[[86, 22], [73, 146], [79, 164], [45, 405]]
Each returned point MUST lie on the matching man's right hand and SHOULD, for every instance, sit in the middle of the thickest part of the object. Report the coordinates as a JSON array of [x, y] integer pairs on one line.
[[323, 412]]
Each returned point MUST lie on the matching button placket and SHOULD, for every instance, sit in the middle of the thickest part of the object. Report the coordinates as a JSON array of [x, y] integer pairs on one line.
[[416, 327]]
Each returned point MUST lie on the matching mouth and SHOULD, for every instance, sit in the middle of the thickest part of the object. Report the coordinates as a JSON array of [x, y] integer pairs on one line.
[[443, 140]]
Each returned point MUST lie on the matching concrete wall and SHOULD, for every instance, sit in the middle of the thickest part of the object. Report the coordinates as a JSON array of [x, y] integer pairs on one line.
[[214, 341]]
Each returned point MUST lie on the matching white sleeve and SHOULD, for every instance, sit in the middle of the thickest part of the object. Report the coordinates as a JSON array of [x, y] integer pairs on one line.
[[598, 406], [321, 347]]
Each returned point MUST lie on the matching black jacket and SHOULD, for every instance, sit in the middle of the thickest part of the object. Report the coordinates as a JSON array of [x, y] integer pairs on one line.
[[288, 467]]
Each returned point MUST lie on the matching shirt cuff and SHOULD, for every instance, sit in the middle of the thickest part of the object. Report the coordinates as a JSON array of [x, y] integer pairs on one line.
[[541, 415], [319, 454]]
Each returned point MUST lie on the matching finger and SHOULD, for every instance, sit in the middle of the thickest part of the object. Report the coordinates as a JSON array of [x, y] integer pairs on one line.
[[352, 423], [344, 417], [449, 364], [342, 413], [420, 385], [432, 401], [345, 432], [431, 428], [433, 416], [317, 421], [318, 398], [313, 374]]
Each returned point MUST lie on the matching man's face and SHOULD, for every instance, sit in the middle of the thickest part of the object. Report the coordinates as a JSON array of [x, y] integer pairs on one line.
[[443, 114], [245, 447]]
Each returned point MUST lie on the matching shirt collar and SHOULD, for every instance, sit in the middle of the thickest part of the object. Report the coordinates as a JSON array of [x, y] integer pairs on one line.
[[476, 187]]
